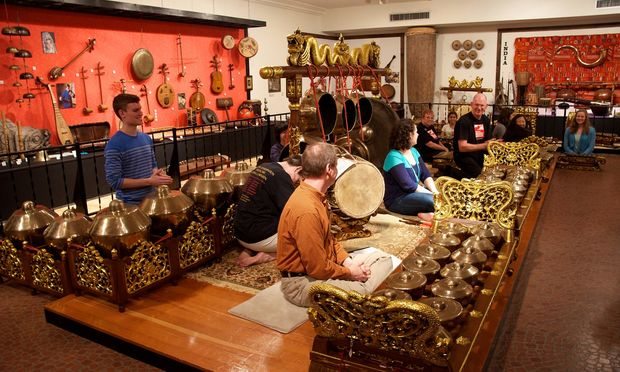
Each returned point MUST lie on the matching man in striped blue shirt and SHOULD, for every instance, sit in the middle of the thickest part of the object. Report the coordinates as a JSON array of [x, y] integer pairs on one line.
[[130, 166]]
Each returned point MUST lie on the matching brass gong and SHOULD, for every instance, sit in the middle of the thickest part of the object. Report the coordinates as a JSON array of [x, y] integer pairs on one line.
[[142, 64]]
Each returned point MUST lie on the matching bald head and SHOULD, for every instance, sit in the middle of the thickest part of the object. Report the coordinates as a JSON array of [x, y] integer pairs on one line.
[[479, 105], [316, 158]]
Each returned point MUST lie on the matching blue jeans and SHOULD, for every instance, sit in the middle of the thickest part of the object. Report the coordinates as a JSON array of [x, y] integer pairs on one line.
[[413, 203]]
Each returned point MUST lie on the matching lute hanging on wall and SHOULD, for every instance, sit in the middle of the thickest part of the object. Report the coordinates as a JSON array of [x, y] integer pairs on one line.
[[165, 93], [56, 72], [197, 100], [217, 86], [62, 129]]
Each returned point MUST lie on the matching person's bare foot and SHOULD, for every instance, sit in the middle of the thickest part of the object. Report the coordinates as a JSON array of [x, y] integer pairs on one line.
[[246, 258], [427, 217]]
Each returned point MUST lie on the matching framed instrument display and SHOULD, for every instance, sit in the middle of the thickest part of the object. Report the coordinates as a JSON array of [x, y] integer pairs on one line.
[[248, 47]]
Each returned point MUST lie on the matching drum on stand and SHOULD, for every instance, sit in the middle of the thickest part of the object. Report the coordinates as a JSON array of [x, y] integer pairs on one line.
[[359, 188]]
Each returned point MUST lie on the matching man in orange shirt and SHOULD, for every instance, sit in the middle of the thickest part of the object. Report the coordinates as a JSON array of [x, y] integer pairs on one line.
[[307, 250]]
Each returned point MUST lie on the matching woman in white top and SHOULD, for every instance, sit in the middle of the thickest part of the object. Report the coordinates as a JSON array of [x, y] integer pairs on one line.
[[447, 131]]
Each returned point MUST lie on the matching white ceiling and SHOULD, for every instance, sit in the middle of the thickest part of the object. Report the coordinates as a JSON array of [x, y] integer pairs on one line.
[[331, 4]]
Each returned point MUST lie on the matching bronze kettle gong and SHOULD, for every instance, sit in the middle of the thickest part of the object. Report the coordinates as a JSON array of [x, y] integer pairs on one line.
[[71, 224], [29, 222], [168, 209], [120, 226], [209, 191]]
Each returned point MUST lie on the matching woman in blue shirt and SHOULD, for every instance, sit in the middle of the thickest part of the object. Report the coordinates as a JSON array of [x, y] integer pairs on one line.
[[579, 136], [404, 172]]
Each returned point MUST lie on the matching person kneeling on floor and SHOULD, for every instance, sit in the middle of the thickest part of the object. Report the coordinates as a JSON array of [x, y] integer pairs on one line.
[[307, 251], [262, 200]]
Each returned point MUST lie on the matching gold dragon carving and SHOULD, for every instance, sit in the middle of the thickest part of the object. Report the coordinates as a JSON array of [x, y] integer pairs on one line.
[[148, 264], [403, 326], [305, 50]]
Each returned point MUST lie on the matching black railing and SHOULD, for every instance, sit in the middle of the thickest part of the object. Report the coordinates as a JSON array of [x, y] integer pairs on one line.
[[63, 175]]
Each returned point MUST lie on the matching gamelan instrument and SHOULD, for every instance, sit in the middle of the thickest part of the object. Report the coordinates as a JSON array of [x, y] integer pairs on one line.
[[62, 129], [217, 85], [56, 72], [142, 64], [165, 93], [197, 99], [100, 72], [86, 110], [182, 65], [231, 67], [359, 187], [148, 117]]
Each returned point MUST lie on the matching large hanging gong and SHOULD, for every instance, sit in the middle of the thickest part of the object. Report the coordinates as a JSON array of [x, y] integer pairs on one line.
[[142, 64]]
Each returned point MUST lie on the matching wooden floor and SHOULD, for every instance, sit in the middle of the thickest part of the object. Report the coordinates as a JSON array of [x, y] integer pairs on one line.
[[187, 324]]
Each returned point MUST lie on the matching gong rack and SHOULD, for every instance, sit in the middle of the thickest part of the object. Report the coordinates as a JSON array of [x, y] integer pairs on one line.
[[84, 268], [294, 75], [366, 334]]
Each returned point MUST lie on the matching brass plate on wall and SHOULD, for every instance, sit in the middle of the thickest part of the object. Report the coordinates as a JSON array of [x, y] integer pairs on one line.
[[479, 44], [462, 55], [477, 63], [467, 44], [457, 63], [142, 64], [467, 64], [472, 54], [456, 44]]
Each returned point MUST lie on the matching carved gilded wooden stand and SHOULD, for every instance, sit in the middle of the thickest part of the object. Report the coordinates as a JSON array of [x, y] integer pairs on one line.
[[35, 267]]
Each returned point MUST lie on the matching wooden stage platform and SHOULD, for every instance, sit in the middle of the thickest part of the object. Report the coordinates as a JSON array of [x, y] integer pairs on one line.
[[185, 327]]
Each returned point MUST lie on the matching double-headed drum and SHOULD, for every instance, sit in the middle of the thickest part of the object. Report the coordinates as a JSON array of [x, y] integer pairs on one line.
[[359, 188]]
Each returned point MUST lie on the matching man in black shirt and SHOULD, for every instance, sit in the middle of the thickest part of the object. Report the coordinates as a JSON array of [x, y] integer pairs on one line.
[[472, 134], [261, 202], [429, 145]]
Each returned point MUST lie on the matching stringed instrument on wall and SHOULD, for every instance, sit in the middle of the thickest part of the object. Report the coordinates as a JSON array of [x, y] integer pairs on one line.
[[165, 92], [231, 67], [56, 72], [100, 72], [197, 100], [86, 110], [182, 66], [148, 117], [217, 86], [62, 129]]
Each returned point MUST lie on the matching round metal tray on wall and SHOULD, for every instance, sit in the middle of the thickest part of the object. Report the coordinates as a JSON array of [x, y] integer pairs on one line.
[[142, 64]]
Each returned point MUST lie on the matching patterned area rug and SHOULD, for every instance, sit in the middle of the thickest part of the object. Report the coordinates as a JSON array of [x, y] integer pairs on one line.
[[388, 234]]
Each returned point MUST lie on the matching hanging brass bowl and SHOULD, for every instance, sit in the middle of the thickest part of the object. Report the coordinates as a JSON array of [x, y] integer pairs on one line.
[[455, 289], [238, 176], [21, 31], [410, 282], [447, 308], [11, 50], [120, 226], [26, 76], [168, 209], [29, 222], [23, 53], [71, 224], [9, 31], [423, 265], [470, 255], [455, 270], [448, 241], [28, 96], [142, 64], [209, 191], [14, 68], [392, 294]]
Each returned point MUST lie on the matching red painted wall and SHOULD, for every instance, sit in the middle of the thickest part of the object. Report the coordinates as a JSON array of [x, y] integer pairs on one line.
[[117, 39]]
